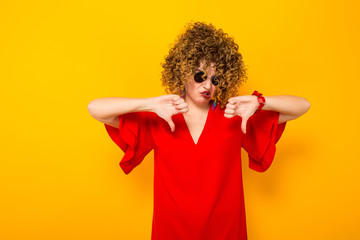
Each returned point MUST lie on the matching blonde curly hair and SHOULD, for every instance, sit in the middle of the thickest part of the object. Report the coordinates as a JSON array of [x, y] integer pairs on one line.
[[203, 42]]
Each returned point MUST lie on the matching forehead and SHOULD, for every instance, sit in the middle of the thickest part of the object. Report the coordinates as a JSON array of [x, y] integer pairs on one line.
[[211, 68], [202, 63]]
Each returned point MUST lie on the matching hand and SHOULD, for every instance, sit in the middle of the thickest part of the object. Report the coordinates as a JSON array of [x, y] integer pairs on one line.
[[168, 105], [243, 106]]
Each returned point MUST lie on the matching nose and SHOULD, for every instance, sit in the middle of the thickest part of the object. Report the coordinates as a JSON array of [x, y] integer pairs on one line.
[[207, 83]]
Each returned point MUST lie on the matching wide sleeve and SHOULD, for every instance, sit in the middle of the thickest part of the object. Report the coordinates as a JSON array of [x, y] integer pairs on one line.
[[133, 137], [262, 133]]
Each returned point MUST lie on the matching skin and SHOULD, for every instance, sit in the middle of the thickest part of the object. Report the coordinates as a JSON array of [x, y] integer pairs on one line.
[[196, 102], [289, 107], [195, 106]]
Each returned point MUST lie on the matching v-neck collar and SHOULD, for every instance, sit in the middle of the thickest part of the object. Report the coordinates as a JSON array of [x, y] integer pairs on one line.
[[208, 117]]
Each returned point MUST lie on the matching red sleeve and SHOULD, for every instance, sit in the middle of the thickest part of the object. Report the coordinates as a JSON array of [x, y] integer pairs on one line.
[[133, 137], [262, 133]]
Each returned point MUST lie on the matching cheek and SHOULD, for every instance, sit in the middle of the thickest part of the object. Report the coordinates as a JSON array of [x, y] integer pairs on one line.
[[214, 90], [190, 88]]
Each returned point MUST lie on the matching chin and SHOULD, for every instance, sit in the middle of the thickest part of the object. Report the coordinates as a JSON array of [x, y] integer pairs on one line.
[[204, 101]]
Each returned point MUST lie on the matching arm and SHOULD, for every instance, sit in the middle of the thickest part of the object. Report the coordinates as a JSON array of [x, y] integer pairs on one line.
[[107, 110], [289, 107], [111, 107]]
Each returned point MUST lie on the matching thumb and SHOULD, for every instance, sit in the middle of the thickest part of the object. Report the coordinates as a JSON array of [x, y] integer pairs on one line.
[[171, 124], [243, 125]]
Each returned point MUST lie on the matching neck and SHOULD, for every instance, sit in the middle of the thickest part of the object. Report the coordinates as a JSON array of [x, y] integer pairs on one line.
[[197, 108]]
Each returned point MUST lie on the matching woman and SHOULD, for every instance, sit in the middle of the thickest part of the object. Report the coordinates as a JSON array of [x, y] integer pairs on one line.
[[197, 132]]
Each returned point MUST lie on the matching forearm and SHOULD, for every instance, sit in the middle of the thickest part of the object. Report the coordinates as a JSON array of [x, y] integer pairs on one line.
[[110, 107], [287, 104]]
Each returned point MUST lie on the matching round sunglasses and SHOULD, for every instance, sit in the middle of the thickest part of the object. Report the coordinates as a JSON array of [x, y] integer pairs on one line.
[[199, 78]]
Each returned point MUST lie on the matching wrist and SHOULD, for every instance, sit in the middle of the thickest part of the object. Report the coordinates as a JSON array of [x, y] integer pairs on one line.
[[260, 99], [143, 105], [149, 104]]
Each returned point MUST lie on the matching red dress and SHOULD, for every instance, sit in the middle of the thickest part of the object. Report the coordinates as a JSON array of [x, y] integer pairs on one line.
[[198, 188]]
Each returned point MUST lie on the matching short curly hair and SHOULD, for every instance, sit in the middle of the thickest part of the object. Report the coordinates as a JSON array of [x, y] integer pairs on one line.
[[203, 42]]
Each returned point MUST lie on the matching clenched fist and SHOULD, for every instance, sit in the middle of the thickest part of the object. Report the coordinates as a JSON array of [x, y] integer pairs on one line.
[[243, 106], [166, 106]]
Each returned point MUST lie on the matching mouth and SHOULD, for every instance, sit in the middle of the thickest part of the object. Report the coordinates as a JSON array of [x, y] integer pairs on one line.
[[205, 94]]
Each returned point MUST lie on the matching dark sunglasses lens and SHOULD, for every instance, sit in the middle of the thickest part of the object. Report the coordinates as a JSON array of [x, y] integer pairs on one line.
[[199, 77], [214, 80]]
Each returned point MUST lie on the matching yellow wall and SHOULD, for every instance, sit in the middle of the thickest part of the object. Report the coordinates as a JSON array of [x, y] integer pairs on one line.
[[59, 171]]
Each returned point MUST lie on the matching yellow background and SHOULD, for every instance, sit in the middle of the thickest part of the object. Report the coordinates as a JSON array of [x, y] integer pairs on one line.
[[60, 177]]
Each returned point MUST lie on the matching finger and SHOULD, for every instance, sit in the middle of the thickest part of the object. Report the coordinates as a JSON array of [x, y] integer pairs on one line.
[[228, 115], [175, 97], [231, 106], [184, 110], [179, 101], [181, 106], [232, 100], [229, 111]]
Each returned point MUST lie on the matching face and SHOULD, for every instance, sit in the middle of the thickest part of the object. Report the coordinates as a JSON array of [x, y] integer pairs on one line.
[[201, 93]]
